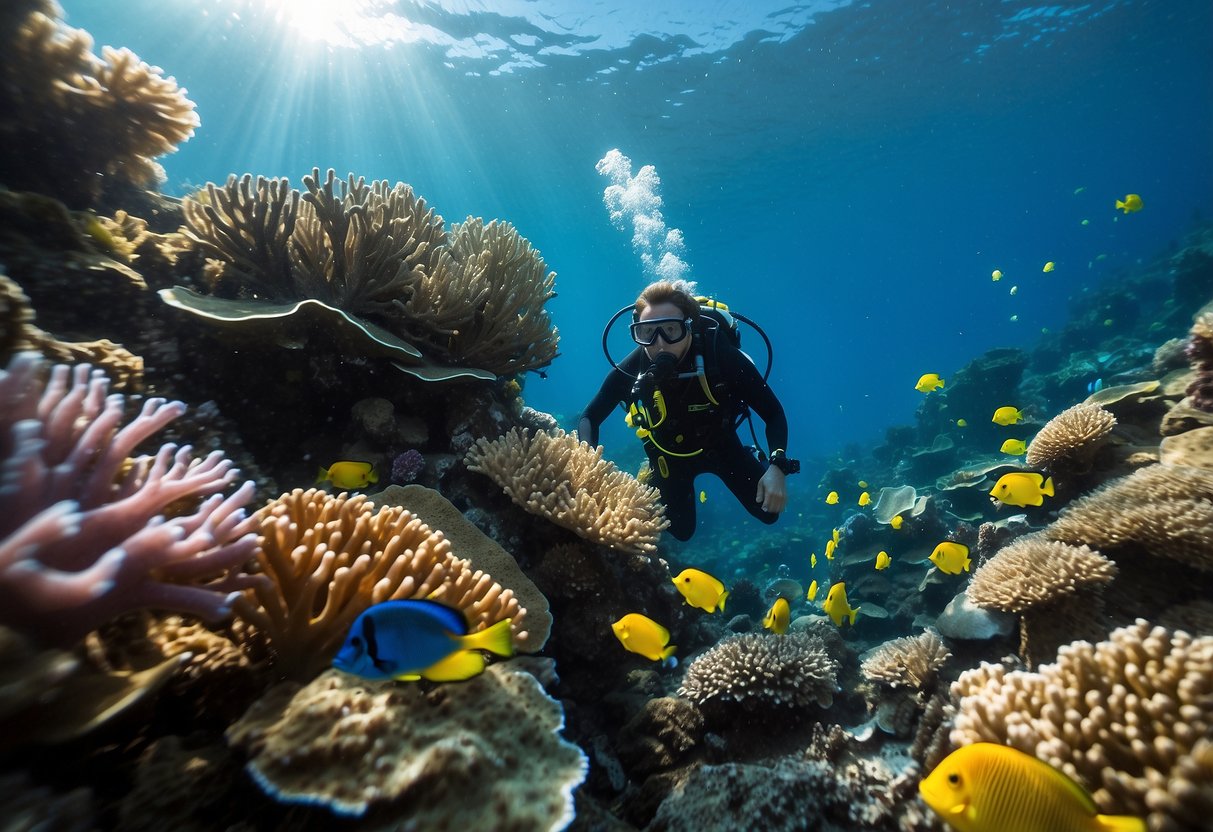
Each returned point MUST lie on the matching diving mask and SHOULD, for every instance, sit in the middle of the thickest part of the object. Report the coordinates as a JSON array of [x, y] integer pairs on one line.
[[671, 330]]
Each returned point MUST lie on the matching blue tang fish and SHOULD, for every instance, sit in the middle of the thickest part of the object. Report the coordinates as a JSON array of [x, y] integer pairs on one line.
[[417, 639]]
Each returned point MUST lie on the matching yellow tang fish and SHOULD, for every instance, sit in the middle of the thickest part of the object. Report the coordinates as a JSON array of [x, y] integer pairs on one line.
[[1131, 204], [830, 547], [832, 498], [897, 521], [813, 561], [865, 498], [346, 474], [952, 558], [703, 496], [882, 561], [701, 590], [928, 382], [812, 593], [987, 787], [836, 536], [778, 616], [643, 636], [962, 423], [1007, 415], [1049, 266], [837, 607], [996, 275], [1014, 447], [1021, 488], [863, 483]]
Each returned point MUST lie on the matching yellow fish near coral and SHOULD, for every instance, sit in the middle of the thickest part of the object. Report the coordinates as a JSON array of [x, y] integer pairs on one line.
[[928, 382], [897, 521], [812, 593], [836, 536], [778, 616], [643, 636], [996, 275], [987, 787], [832, 498], [1049, 266], [830, 547], [1007, 415], [865, 498], [837, 607], [1014, 447], [863, 484], [351, 475], [962, 423], [703, 496], [813, 561], [952, 558], [1021, 488], [701, 590], [1131, 204], [882, 561]]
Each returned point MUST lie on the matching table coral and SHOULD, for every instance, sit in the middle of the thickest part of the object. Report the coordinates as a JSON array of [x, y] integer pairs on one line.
[[480, 754], [566, 481]]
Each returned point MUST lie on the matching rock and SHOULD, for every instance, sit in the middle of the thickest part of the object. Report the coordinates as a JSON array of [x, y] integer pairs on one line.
[[963, 620]]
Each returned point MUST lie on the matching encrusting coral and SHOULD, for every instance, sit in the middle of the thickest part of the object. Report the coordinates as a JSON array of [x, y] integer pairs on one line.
[[1068, 442], [479, 754], [1129, 718], [330, 557], [566, 481], [761, 670], [89, 533]]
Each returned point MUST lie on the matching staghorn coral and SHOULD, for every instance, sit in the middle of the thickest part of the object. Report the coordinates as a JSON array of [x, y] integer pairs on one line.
[[760, 670], [1129, 718], [1200, 355], [51, 84], [85, 532], [1165, 509], [1068, 442], [569, 483], [480, 754], [330, 557]]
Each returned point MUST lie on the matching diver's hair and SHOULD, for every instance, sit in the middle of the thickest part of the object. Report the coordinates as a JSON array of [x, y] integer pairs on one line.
[[681, 293]]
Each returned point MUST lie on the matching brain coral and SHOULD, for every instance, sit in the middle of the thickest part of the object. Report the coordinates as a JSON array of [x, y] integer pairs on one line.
[[1129, 718], [1070, 439], [757, 669]]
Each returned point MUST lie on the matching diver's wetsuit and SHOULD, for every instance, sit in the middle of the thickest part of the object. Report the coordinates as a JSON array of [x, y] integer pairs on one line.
[[694, 423]]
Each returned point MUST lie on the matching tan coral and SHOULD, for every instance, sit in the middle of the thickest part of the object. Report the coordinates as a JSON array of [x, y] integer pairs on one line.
[[1165, 509], [331, 557], [1070, 439], [1128, 718], [480, 754], [912, 661], [760, 670], [569, 483]]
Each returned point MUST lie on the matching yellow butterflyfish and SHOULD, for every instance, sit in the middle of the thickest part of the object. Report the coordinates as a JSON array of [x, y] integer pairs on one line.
[[882, 561], [897, 521], [928, 382], [865, 498], [832, 498], [1007, 415], [1014, 447]]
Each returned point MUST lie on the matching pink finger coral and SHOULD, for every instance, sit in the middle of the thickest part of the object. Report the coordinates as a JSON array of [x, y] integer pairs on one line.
[[84, 528]]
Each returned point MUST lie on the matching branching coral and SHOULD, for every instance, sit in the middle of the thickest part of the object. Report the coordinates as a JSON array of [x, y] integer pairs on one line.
[[1165, 509], [761, 670], [1068, 442], [1129, 718], [480, 754], [568, 482], [329, 558], [86, 536]]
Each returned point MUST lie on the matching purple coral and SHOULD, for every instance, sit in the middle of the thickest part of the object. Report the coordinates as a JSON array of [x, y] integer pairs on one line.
[[84, 534], [406, 467]]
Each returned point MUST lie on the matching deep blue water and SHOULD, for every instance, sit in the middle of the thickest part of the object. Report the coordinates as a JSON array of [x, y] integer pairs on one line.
[[846, 173]]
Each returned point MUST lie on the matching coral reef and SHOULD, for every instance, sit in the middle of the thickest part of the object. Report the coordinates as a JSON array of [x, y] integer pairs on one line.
[[1128, 718], [330, 557], [1069, 441], [566, 481], [480, 754], [91, 533], [1200, 355], [903, 674]]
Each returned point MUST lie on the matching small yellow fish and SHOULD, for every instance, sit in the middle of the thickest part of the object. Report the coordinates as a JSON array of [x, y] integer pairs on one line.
[[961, 423], [1021, 488], [837, 607], [1014, 290], [952, 558], [996, 275], [778, 616], [813, 561], [882, 561], [812, 593], [1049, 266], [1007, 416], [897, 521], [830, 546], [836, 536], [701, 590], [928, 382], [987, 787], [865, 498], [703, 496], [643, 636], [350, 475], [1014, 447], [1131, 204], [832, 498], [863, 484]]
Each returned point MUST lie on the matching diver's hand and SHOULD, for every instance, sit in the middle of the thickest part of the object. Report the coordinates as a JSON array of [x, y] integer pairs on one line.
[[772, 491]]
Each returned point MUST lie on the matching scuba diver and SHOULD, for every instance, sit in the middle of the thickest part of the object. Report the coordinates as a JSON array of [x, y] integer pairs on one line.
[[686, 388]]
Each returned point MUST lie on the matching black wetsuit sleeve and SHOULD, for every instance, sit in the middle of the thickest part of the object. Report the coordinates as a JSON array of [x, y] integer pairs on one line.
[[615, 389], [747, 385]]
